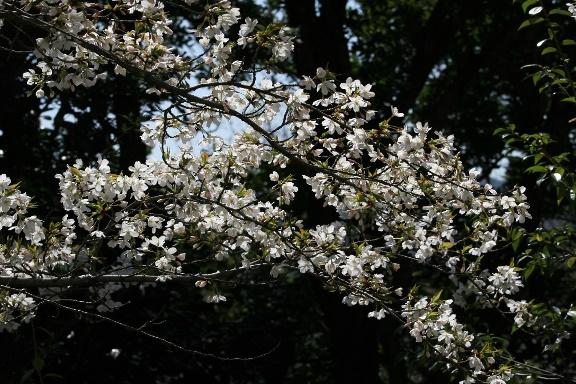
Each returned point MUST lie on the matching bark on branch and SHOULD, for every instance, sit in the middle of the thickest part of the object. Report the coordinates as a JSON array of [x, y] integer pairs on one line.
[[91, 280]]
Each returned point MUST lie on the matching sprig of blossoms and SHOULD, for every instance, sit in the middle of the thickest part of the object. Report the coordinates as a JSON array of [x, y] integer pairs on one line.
[[15, 309]]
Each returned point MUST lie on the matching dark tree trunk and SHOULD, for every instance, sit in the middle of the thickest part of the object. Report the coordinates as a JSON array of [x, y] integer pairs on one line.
[[436, 38], [322, 42], [20, 140], [19, 120], [127, 109]]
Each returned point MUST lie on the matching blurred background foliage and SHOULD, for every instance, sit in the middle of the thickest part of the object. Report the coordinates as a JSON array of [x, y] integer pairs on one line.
[[463, 66]]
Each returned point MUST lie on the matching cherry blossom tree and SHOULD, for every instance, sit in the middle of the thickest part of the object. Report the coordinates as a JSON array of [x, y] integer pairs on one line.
[[403, 197]]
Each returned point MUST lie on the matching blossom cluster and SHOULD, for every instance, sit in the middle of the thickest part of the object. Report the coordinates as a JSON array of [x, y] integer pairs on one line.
[[16, 308]]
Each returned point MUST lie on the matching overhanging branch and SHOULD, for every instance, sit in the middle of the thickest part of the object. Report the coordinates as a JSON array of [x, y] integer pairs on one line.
[[92, 280]]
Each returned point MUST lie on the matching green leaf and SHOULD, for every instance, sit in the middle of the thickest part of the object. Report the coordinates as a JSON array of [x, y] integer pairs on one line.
[[568, 42], [436, 297], [543, 88], [447, 245], [559, 81], [510, 141], [529, 269], [558, 11], [569, 99], [530, 22], [537, 169], [517, 236], [538, 157], [526, 4], [548, 50], [139, 26], [571, 261], [514, 329], [536, 77], [562, 157], [560, 194]]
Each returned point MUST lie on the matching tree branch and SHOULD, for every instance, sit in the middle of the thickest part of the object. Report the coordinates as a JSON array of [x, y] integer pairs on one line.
[[91, 280]]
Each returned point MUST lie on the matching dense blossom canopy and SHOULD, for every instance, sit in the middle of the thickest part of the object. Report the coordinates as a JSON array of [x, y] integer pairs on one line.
[[402, 195]]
